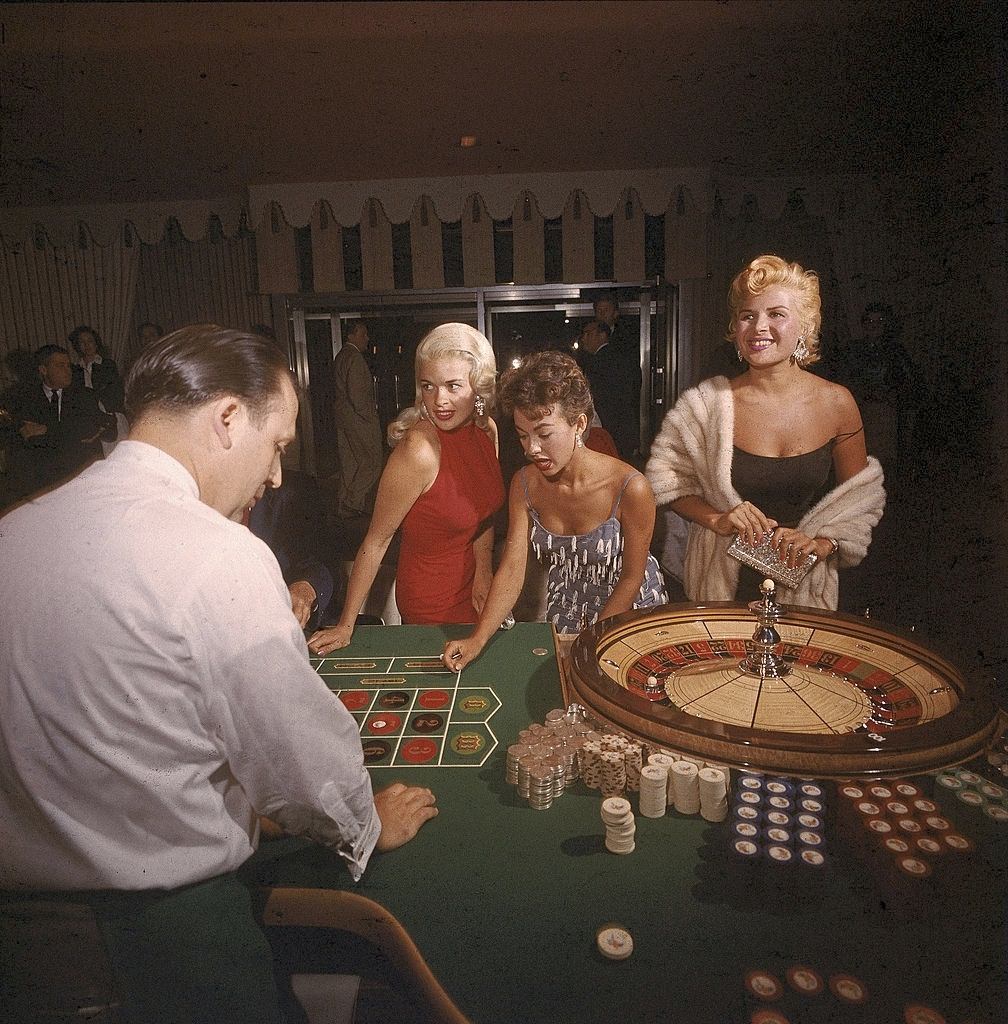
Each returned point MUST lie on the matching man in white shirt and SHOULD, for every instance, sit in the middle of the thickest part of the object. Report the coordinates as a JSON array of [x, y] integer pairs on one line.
[[156, 690]]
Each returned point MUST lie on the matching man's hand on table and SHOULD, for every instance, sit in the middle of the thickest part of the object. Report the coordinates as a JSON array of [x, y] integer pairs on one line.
[[302, 600], [324, 641], [402, 810]]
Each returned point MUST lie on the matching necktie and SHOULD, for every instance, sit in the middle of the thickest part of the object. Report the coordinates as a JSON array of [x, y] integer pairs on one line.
[[54, 403]]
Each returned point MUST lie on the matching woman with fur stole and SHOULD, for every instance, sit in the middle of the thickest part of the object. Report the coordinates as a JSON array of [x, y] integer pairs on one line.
[[776, 451]]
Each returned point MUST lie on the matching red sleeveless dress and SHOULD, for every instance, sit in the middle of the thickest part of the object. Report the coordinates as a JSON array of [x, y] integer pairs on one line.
[[436, 566]]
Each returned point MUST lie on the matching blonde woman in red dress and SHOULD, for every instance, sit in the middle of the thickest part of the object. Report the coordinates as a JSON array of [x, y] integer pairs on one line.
[[442, 485]]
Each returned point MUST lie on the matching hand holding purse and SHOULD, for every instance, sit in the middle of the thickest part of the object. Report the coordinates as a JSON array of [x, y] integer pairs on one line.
[[764, 558]]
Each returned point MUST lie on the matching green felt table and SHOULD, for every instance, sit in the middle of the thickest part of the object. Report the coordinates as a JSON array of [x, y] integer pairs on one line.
[[504, 902]]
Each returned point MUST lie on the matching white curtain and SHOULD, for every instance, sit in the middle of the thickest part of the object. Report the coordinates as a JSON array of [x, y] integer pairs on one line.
[[47, 290], [211, 280]]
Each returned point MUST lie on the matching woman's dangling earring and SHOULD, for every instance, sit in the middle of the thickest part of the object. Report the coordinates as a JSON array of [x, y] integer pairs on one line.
[[579, 440], [800, 353], [738, 352], [480, 406]]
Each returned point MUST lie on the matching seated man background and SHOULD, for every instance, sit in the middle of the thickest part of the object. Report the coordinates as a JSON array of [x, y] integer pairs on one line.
[[290, 520], [157, 693], [58, 426]]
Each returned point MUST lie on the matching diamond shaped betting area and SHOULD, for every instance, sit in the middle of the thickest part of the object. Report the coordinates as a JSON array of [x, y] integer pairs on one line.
[[412, 712]]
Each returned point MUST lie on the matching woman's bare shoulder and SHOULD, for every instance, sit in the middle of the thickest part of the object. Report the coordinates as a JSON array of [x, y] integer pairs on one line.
[[420, 445], [830, 395], [637, 486]]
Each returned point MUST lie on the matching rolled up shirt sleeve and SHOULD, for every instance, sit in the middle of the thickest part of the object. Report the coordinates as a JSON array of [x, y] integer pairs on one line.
[[288, 741]]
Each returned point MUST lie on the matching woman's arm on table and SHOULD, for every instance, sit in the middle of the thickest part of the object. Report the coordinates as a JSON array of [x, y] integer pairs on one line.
[[505, 589], [411, 469]]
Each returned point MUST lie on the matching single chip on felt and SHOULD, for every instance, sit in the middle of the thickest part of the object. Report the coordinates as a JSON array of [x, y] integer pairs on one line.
[[764, 985], [614, 941], [848, 989], [805, 979]]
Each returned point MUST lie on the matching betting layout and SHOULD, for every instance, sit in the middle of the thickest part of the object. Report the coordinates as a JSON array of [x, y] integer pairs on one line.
[[412, 711]]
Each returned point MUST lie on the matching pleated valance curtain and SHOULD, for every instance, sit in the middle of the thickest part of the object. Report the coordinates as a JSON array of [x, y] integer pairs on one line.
[[881, 238], [684, 210]]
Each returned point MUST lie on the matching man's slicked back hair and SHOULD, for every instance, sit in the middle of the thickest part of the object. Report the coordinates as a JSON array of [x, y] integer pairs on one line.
[[199, 363]]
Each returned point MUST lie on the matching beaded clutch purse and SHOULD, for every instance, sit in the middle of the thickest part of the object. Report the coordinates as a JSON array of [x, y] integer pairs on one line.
[[763, 558]]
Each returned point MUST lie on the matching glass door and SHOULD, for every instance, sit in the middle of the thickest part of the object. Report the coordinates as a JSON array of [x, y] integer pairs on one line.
[[516, 319]]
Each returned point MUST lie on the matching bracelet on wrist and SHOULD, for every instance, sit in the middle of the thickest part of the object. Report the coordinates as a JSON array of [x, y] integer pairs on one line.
[[834, 543]]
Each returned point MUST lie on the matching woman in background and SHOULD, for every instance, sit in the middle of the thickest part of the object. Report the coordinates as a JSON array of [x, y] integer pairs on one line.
[[777, 450], [95, 370], [589, 516], [442, 484]]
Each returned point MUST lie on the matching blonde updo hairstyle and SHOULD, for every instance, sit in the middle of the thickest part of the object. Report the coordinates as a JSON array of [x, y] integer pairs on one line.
[[772, 272], [451, 341], [543, 381]]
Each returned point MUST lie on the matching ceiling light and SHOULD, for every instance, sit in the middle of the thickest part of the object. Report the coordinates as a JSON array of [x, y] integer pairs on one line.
[[467, 141]]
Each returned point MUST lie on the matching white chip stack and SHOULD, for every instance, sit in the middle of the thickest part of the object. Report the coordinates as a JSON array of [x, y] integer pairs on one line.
[[653, 790], [713, 786], [619, 822], [684, 777]]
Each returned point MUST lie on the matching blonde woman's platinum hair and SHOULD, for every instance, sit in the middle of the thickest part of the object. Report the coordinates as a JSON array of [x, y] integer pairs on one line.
[[772, 272], [451, 341]]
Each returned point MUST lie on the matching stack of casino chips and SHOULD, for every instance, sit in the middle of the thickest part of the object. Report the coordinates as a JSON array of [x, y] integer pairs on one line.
[[778, 820], [613, 772], [543, 761], [541, 786], [684, 777], [653, 790], [619, 822], [634, 761], [713, 794], [663, 759], [591, 762], [610, 762], [905, 823]]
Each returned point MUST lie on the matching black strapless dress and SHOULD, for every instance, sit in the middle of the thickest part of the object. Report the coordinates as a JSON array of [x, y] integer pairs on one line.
[[781, 488]]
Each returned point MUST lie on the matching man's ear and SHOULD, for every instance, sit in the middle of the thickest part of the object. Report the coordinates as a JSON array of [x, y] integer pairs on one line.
[[224, 412]]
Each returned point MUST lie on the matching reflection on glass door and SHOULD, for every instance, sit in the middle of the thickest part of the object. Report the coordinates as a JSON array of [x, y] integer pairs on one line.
[[529, 319]]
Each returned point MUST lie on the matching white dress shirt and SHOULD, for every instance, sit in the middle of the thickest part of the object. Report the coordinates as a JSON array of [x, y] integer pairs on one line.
[[58, 392], [156, 693], [88, 368]]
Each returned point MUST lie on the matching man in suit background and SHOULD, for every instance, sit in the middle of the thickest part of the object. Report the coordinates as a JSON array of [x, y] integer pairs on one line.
[[58, 426], [615, 386], [358, 428]]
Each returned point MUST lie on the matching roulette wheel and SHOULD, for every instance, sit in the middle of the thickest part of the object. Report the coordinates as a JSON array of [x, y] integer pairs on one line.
[[805, 692]]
